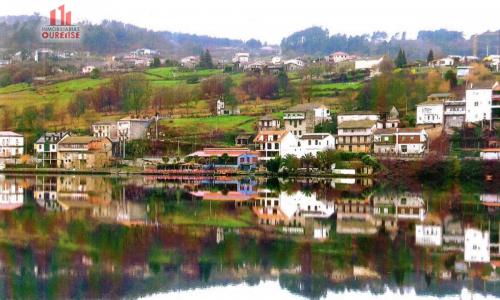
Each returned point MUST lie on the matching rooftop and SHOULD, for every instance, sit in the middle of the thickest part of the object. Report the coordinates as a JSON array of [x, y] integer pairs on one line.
[[314, 136], [440, 95], [430, 102], [10, 134], [357, 112], [268, 118], [483, 85], [51, 137], [80, 139], [231, 152], [304, 107], [357, 124]]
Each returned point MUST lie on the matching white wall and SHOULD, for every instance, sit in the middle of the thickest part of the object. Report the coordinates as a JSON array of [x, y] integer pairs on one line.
[[430, 114], [478, 105], [428, 235], [476, 245]]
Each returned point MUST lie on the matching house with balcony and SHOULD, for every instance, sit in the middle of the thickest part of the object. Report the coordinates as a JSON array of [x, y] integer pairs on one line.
[[269, 122], [46, 148], [84, 152], [105, 129], [355, 136], [400, 141], [11, 144], [454, 113], [272, 143], [430, 112], [312, 143], [301, 119]]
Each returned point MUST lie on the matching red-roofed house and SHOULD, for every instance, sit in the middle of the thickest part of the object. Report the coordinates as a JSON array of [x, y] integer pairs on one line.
[[240, 158]]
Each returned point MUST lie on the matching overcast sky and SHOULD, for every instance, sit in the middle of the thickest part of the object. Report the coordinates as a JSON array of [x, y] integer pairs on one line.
[[271, 20]]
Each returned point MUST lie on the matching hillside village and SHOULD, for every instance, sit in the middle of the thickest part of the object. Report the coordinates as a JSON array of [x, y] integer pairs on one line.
[[135, 111]]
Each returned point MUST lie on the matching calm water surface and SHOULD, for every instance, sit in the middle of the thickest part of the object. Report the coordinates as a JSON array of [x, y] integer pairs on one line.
[[130, 237]]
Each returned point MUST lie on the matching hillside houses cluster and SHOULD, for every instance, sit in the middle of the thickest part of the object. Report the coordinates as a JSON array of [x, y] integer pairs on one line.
[[481, 103]]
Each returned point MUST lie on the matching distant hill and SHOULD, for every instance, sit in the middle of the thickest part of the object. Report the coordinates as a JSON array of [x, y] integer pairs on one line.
[[317, 41], [111, 37]]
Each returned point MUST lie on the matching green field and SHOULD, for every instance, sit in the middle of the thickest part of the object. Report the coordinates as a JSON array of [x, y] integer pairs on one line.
[[206, 125]]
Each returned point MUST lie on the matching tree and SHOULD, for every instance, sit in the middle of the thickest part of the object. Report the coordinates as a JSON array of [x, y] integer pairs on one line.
[[308, 161], [273, 165], [451, 77], [282, 83], [430, 56], [206, 60], [386, 65], [290, 162], [78, 106], [156, 62], [400, 60], [137, 93], [95, 73]]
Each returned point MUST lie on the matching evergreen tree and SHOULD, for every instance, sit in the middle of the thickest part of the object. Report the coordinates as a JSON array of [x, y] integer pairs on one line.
[[400, 60], [430, 56], [206, 60]]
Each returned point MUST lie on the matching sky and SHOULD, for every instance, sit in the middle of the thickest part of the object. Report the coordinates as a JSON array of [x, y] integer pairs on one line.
[[271, 20]]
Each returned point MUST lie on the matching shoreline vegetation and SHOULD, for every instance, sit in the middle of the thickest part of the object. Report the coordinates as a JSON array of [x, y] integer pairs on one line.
[[430, 168]]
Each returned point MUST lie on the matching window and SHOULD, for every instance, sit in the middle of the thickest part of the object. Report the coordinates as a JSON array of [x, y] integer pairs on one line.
[[276, 146], [316, 142], [404, 148], [309, 142]]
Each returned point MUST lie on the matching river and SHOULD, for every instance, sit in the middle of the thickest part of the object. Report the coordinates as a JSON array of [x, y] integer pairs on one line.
[[79, 236]]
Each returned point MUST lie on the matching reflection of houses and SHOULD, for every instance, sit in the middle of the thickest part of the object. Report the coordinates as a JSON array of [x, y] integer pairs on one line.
[[391, 207], [429, 232], [293, 210], [235, 191], [453, 235], [45, 192], [476, 245], [355, 215], [11, 194]]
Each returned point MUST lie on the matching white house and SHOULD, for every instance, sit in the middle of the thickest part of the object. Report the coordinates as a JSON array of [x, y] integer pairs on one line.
[[476, 245], [223, 109], [430, 113], [274, 142], [428, 235], [312, 143], [189, 61], [241, 57], [129, 128], [11, 144], [276, 60], [370, 64], [478, 102], [338, 56], [443, 62], [357, 116], [400, 141], [490, 154], [87, 69], [463, 71], [294, 64]]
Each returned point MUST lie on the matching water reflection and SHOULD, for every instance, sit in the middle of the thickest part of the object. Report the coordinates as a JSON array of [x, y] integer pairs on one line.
[[99, 236]]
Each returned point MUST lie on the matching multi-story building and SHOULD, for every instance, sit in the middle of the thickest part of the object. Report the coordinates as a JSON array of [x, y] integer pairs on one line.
[[454, 113], [105, 129], [428, 235], [302, 118], [312, 143], [132, 128], [84, 152], [269, 122], [357, 116], [478, 102], [46, 148], [11, 144], [430, 112], [11, 194], [272, 143], [400, 141], [355, 136], [495, 106]]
